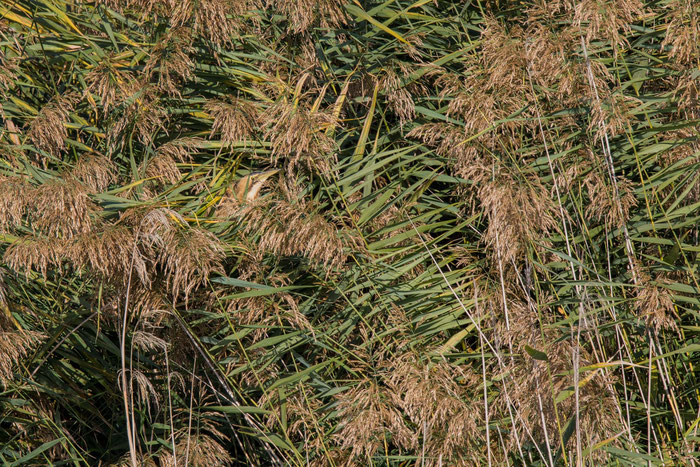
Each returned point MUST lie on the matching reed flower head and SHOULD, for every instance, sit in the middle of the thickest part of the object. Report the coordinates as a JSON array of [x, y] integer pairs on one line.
[[8, 73], [398, 97], [199, 449], [142, 113], [163, 166], [607, 19], [110, 252], [612, 117], [15, 200], [111, 83], [62, 208], [189, 260], [234, 119], [170, 61], [302, 14], [687, 93], [95, 171], [15, 345], [34, 253], [367, 419], [541, 390], [437, 405], [186, 255], [682, 32], [48, 130], [654, 303], [298, 134], [610, 203], [518, 216], [289, 229], [218, 20]]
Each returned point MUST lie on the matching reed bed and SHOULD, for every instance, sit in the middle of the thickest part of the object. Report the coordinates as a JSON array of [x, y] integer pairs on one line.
[[275, 232]]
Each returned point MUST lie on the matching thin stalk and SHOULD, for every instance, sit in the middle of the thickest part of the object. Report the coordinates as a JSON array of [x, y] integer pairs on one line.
[[483, 376], [170, 408], [122, 350]]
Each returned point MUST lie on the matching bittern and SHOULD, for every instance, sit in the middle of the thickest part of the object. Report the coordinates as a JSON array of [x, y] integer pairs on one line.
[[248, 187]]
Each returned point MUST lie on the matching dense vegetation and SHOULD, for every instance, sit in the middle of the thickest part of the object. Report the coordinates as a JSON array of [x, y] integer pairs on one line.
[[376, 233]]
